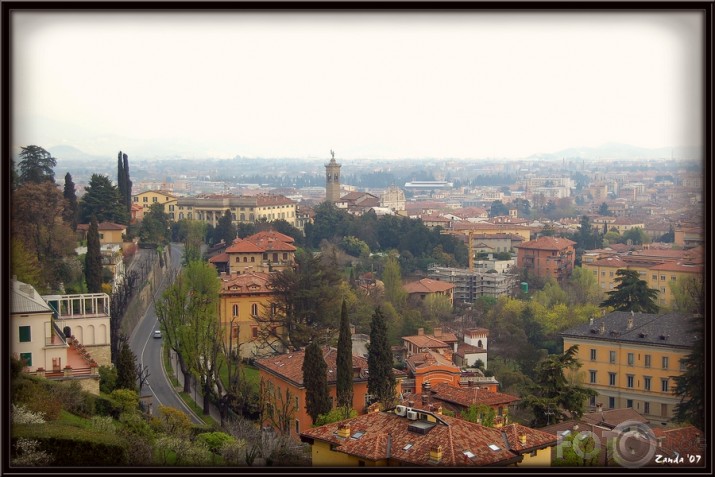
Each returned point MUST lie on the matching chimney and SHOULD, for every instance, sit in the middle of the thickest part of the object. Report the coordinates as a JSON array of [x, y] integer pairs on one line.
[[522, 438], [629, 326], [437, 332], [602, 329], [439, 410], [352, 329], [420, 331], [590, 321], [435, 454], [344, 430]]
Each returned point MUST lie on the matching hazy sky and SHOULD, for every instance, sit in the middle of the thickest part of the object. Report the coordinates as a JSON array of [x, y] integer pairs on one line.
[[367, 85]]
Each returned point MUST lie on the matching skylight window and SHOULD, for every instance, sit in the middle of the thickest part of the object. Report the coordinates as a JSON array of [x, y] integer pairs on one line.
[[494, 447], [469, 454], [358, 435], [407, 447]]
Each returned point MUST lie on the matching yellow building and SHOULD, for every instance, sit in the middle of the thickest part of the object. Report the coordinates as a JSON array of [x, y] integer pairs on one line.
[[632, 360], [147, 198], [407, 437], [210, 208], [267, 251], [243, 299], [659, 273], [109, 232]]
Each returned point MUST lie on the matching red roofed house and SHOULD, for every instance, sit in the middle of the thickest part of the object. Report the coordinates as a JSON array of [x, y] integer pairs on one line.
[[459, 399], [262, 252], [427, 286], [547, 257], [282, 386], [418, 438], [358, 202]]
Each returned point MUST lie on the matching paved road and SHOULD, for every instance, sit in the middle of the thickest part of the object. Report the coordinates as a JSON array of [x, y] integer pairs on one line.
[[148, 349]]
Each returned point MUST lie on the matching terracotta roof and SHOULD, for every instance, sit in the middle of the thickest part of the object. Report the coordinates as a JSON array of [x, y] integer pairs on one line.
[[682, 441], [289, 366], [386, 435], [267, 199], [244, 246], [465, 348], [477, 331], [678, 267], [220, 258], [615, 261], [427, 285], [271, 244], [255, 282], [470, 395], [533, 438], [271, 234], [425, 341], [613, 417], [425, 360], [547, 243]]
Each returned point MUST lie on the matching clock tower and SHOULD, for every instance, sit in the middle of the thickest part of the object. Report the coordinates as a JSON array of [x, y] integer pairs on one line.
[[332, 180]]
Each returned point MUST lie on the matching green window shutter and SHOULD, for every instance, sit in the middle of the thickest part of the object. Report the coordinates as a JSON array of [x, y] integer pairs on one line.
[[27, 358], [25, 334]]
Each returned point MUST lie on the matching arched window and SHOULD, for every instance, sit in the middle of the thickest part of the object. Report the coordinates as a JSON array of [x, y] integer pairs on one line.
[[235, 310], [479, 344]]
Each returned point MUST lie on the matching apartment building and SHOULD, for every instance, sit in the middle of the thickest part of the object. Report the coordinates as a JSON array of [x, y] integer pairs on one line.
[[150, 197], [472, 284], [547, 257], [631, 359]]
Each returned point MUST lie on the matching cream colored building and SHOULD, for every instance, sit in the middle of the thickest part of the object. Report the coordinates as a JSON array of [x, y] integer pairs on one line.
[[209, 208], [51, 341], [393, 198], [150, 197]]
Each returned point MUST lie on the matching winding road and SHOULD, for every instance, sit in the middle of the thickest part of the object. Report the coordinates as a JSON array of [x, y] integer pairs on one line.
[[148, 349]]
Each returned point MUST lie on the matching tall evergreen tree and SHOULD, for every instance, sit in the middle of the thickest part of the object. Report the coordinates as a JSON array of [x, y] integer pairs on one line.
[[392, 278], [344, 363], [36, 165], [121, 178], [381, 380], [690, 386], [631, 294], [69, 214], [126, 366], [225, 228], [93, 259], [127, 185], [315, 380], [103, 200]]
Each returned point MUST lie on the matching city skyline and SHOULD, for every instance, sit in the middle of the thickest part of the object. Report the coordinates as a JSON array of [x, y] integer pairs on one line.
[[373, 85]]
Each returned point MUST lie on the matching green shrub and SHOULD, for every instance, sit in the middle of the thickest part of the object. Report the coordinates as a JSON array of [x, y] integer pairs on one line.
[[72, 397], [127, 399], [215, 440], [106, 406], [107, 379]]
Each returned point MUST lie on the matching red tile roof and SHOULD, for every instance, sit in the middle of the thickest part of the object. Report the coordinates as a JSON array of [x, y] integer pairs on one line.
[[220, 258], [427, 285], [387, 436], [289, 366], [102, 226], [244, 246], [532, 438], [270, 234], [682, 441], [255, 282], [425, 341], [547, 243], [471, 395]]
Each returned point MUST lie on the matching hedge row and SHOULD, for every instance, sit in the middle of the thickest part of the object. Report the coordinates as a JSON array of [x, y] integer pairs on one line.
[[74, 446]]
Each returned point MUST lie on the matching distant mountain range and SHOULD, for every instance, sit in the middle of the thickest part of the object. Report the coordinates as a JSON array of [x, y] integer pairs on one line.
[[603, 152], [622, 151]]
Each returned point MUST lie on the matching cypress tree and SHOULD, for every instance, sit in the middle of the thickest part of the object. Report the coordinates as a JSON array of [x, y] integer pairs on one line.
[[70, 212], [93, 259], [126, 366], [127, 185], [315, 379], [121, 178], [344, 363], [381, 381]]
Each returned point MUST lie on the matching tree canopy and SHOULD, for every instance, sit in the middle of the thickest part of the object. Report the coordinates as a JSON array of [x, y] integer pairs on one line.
[[344, 362], [103, 200], [631, 294], [551, 395], [36, 165], [155, 227]]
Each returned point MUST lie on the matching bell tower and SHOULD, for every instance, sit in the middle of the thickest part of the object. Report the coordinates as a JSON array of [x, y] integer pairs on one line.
[[332, 180]]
